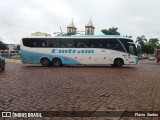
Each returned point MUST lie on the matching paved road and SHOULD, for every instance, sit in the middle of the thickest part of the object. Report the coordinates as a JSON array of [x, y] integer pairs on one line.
[[34, 88]]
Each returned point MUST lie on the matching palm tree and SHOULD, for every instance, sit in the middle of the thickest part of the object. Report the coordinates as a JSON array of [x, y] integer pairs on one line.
[[141, 40], [154, 42]]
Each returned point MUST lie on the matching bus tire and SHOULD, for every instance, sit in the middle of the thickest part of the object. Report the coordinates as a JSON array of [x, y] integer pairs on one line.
[[118, 62], [56, 62], [3, 68], [45, 62], [112, 65]]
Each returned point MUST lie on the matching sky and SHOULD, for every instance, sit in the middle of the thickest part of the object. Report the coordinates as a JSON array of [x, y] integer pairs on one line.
[[20, 18]]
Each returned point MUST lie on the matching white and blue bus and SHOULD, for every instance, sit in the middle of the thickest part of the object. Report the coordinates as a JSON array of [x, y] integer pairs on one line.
[[74, 50]]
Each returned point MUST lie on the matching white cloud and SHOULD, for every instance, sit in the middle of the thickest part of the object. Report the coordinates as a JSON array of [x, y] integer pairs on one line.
[[19, 18], [58, 7]]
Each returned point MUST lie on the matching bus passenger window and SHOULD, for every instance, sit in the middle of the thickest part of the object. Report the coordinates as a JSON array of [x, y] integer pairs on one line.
[[52, 43], [116, 47], [63, 46], [81, 45], [43, 44], [85, 45], [92, 46], [108, 45], [69, 45], [34, 43]]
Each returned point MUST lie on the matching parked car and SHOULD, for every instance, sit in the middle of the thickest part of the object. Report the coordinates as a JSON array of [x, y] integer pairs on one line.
[[152, 58], [141, 57], [2, 63]]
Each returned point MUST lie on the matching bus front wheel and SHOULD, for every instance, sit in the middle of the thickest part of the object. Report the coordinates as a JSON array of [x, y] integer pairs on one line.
[[3, 68], [118, 62], [56, 62], [45, 62]]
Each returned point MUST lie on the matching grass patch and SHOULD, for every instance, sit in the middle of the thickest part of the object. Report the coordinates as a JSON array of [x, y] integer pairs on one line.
[[13, 57]]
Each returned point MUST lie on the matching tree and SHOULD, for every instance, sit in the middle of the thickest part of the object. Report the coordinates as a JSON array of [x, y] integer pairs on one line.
[[18, 47], [110, 31], [2, 46], [148, 49], [154, 42], [71, 33], [128, 36], [141, 40]]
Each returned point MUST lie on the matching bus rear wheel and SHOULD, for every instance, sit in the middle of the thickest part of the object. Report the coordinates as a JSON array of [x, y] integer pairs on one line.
[[3, 68], [118, 62], [56, 62], [45, 62]]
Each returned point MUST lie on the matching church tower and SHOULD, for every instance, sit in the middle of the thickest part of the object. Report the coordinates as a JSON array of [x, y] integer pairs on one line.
[[89, 28], [71, 29]]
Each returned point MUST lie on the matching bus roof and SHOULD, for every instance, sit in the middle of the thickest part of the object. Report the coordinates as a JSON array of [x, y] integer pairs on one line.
[[83, 36]]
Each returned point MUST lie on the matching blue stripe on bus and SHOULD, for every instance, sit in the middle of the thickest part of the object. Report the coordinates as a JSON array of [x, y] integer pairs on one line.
[[34, 58]]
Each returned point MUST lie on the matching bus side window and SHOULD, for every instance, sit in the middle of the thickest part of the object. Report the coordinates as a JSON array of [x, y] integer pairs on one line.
[[116, 47], [92, 46], [37, 44], [52, 43], [108, 45], [100, 45], [34, 44], [48, 44], [80, 45], [93, 43], [70, 43], [66, 43], [62, 46], [43, 44]]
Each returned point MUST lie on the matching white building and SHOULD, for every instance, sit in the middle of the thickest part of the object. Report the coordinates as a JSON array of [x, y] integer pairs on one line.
[[71, 28], [40, 34], [12, 47], [89, 28]]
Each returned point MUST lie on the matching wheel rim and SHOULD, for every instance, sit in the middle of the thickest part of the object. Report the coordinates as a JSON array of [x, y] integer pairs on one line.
[[45, 63], [56, 62], [118, 63]]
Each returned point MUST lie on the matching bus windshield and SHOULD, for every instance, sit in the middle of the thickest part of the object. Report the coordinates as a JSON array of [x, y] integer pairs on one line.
[[132, 49], [129, 46]]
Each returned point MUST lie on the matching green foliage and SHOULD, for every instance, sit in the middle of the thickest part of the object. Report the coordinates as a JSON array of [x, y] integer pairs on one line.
[[2, 46], [71, 33], [147, 47], [138, 51], [18, 47], [110, 31], [13, 57], [128, 36], [141, 40], [153, 42]]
